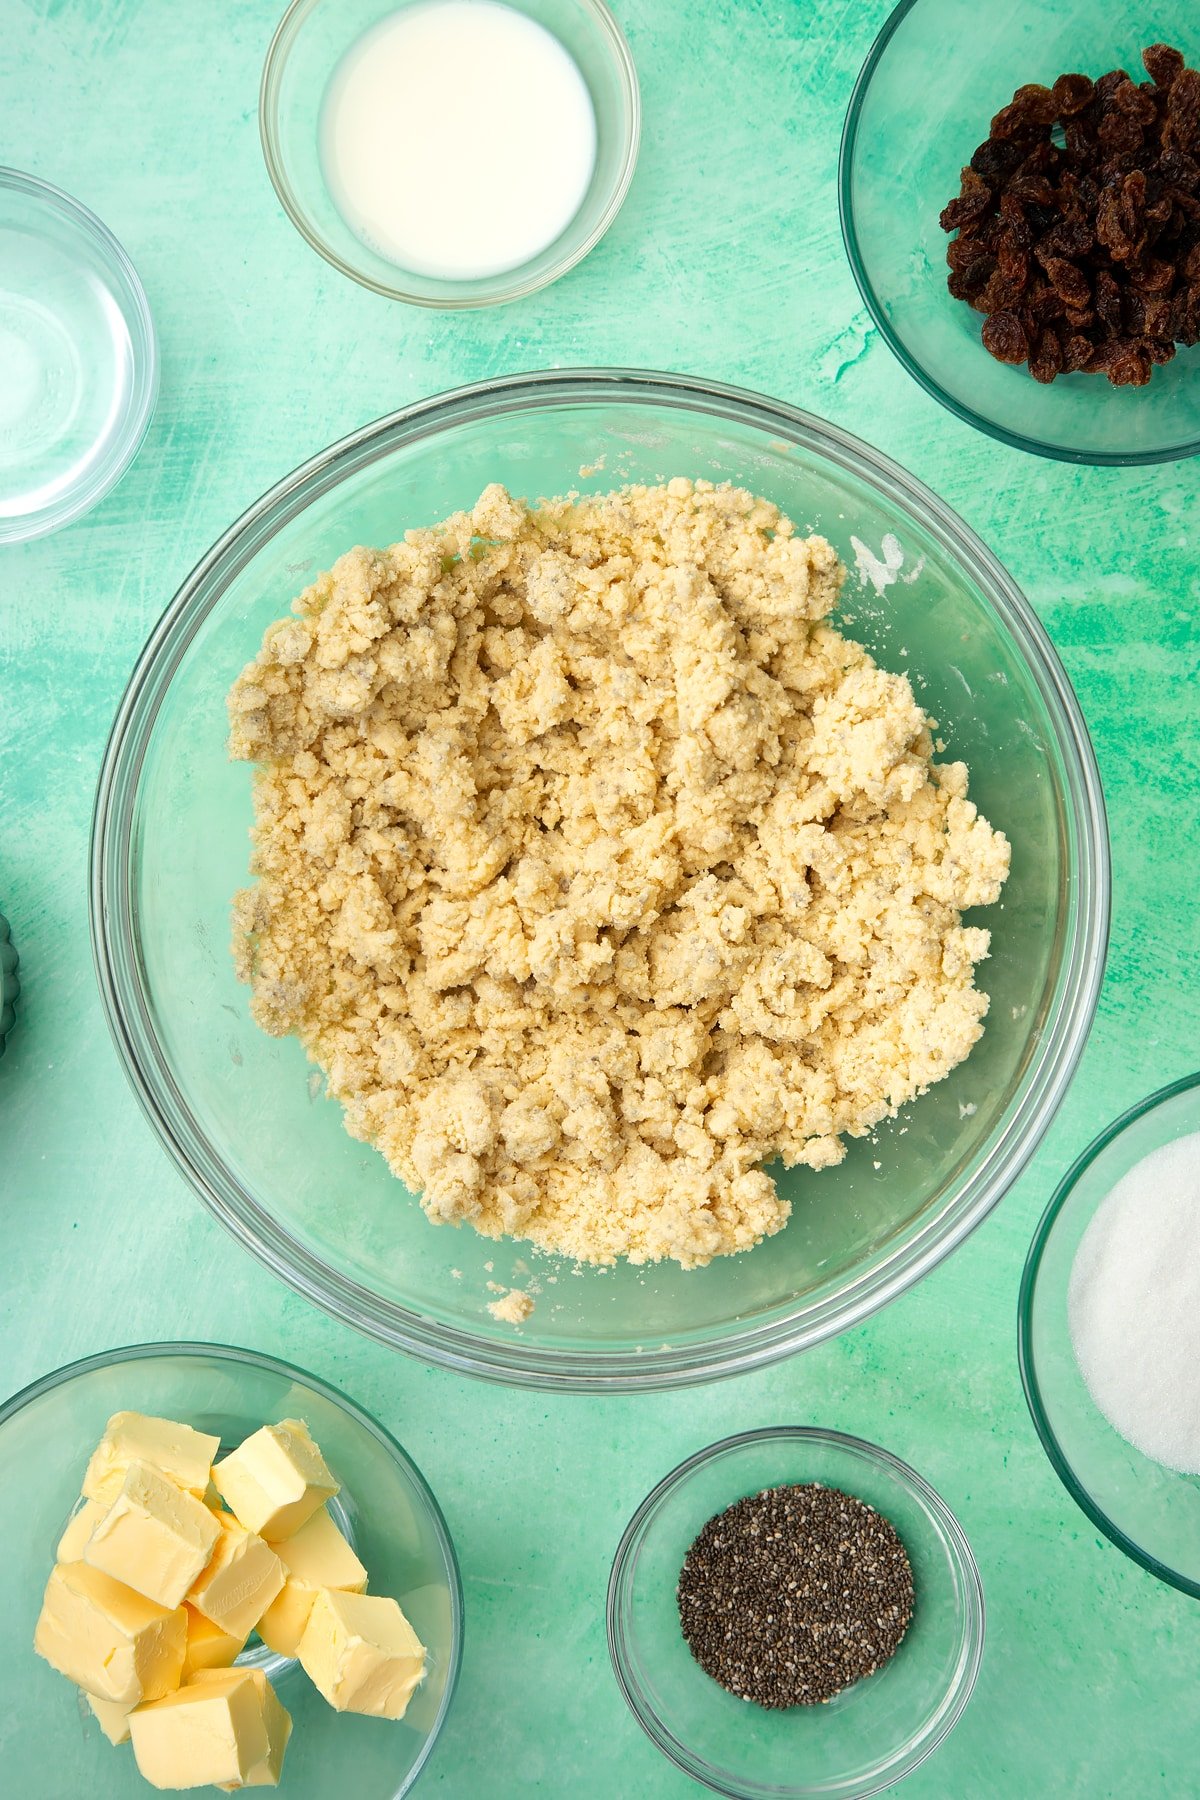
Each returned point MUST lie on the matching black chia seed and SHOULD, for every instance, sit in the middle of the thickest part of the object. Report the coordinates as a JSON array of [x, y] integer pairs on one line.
[[791, 1595]]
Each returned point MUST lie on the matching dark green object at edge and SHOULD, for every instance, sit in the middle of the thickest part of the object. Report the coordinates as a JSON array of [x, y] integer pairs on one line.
[[10, 987]]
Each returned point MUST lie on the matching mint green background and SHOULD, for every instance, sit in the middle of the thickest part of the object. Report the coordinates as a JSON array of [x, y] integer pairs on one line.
[[726, 261]]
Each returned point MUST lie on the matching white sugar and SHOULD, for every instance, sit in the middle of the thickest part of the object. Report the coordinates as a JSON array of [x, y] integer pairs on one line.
[[1134, 1305]]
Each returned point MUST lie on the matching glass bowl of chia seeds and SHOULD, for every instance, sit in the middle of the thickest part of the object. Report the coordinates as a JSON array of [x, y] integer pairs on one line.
[[1148, 1510], [870, 1734]]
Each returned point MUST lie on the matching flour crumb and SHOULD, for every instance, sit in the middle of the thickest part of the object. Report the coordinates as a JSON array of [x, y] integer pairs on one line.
[[881, 572], [513, 1309]]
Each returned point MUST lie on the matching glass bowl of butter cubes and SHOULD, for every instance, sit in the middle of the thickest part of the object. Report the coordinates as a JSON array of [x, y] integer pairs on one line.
[[217, 1572]]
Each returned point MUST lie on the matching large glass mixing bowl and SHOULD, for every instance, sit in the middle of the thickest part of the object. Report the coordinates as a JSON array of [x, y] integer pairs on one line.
[[243, 1114]]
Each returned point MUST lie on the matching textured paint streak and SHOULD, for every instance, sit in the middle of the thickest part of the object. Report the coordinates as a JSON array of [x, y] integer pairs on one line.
[[726, 261]]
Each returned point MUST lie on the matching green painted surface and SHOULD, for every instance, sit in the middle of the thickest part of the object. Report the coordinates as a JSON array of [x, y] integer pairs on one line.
[[725, 262]]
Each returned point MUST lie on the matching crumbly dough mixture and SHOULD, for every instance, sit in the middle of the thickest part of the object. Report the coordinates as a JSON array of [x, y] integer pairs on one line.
[[596, 871]]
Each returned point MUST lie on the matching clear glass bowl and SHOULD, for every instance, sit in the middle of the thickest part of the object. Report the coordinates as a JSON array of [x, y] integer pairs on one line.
[[46, 1435], [867, 1737], [935, 75], [242, 1114], [1151, 1513], [78, 359], [311, 40]]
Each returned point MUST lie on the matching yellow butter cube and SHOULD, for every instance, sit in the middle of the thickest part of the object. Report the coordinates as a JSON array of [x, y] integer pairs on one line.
[[154, 1537], [208, 1647], [361, 1652], [114, 1643], [282, 1625], [112, 1716], [277, 1722], [276, 1480], [225, 1728], [80, 1527], [242, 1578], [176, 1451], [317, 1556]]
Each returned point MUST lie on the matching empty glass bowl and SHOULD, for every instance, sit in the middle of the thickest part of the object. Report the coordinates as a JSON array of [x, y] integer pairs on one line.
[[78, 359], [243, 1114], [46, 1436], [311, 40], [865, 1738], [1151, 1513], [935, 75]]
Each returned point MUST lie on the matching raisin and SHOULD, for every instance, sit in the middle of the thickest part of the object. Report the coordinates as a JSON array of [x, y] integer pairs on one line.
[[1153, 276], [1120, 223], [1071, 94], [1108, 84], [1158, 349], [1070, 237], [997, 162], [1077, 352], [1079, 139], [1045, 307], [1011, 120], [1162, 64], [1156, 318], [1013, 264], [1179, 169], [1004, 338], [1069, 283], [1183, 109], [1046, 360], [1131, 368], [1133, 314], [971, 204], [1135, 103], [999, 295], [1118, 134], [1107, 299]]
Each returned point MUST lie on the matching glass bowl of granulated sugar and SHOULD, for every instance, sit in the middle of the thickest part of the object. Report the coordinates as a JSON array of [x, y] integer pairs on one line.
[[1109, 1333]]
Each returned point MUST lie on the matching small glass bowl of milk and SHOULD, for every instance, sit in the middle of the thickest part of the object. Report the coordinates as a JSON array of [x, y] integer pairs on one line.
[[450, 153]]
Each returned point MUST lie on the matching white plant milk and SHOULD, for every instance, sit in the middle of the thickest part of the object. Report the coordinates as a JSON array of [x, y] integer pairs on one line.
[[458, 138]]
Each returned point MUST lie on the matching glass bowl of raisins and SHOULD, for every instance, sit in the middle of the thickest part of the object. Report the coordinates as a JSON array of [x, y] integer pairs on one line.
[[1020, 201]]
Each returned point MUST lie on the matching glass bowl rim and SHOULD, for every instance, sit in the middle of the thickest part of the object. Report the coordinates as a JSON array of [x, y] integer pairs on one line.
[[115, 951], [143, 340], [972, 1587], [1027, 1361], [277, 1365], [992, 428], [489, 290]]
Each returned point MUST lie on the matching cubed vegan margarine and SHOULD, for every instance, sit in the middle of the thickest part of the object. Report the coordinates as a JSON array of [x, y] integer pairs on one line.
[[276, 1480], [240, 1581], [225, 1728], [362, 1653], [80, 1527], [208, 1646], [112, 1717], [318, 1556], [165, 1570], [177, 1451], [114, 1643], [155, 1537]]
